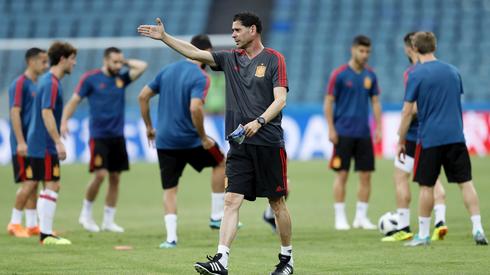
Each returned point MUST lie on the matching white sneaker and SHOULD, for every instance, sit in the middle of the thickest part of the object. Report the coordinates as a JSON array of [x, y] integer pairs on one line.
[[341, 224], [112, 227], [89, 224], [364, 224]]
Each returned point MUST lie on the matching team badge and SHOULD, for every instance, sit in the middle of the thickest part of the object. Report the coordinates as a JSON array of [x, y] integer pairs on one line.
[[260, 70], [29, 172], [336, 162], [56, 171], [119, 82], [367, 83], [98, 160]]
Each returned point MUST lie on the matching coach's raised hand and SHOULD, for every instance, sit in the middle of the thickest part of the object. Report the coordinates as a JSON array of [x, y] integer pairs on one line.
[[156, 32]]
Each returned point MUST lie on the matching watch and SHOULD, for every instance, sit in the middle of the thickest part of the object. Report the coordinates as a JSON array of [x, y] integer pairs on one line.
[[261, 121]]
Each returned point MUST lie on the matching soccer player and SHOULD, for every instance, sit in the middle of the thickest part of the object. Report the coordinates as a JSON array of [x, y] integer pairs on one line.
[[403, 169], [21, 96], [105, 90], [436, 88], [350, 88], [256, 89], [45, 148], [180, 135]]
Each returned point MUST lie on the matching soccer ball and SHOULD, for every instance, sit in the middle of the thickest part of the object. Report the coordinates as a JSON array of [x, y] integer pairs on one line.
[[387, 223]]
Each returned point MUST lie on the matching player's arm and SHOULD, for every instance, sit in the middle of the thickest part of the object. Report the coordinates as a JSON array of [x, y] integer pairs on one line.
[[186, 49], [406, 118], [280, 94], [376, 105], [16, 120], [68, 111], [144, 100], [136, 68], [328, 111], [50, 124]]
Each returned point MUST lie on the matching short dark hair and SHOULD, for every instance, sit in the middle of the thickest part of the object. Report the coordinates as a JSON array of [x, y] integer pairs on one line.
[[202, 42], [60, 49], [408, 38], [361, 40], [248, 19], [425, 42], [110, 50], [32, 53]]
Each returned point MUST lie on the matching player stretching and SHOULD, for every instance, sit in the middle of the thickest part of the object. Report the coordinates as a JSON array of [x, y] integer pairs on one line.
[[45, 146], [256, 89], [21, 96], [403, 169], [436, 87], [351, 86], [180, 135], [105, 90]]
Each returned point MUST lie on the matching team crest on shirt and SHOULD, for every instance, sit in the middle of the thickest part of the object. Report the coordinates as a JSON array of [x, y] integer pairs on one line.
[[29, 172], [336, 162], [56, 171], [368, 83], [98, 161], [260, 70], [119, 82]]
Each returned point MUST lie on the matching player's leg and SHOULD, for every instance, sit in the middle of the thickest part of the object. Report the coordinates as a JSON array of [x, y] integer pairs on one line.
[[117, 161], [32, 226], [364, 165], [108, 223], [217, 194], [403, 198], [48, 201], [171, 163], [440, 227], [457, 166], [340, 163], [15, 227], [427, 167], [86, 219], [98, 166]]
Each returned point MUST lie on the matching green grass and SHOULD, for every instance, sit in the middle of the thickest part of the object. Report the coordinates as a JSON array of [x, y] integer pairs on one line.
[[318, 249]]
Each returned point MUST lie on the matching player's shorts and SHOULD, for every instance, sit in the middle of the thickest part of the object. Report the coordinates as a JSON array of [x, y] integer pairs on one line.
[[109, 154], [453, 157], [19, 165], [407, 165], [361, 149], [43, 169], [173, 162], [256, 171]]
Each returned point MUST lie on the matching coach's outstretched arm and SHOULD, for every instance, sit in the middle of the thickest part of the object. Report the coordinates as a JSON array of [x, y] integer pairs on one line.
[[188, 50]]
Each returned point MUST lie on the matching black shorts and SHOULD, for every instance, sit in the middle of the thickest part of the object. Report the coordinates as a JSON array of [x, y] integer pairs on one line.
[[19, 165], [410, 148], [43, 169], [256, 171], [453, 157], [173, 162], [109, 154], [361, 149]]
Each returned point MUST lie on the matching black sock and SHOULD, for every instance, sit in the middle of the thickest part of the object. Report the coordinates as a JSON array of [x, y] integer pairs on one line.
[[44, 236], [406, 229]]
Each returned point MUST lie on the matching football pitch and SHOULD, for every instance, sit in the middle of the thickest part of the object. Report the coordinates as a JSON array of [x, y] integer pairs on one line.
[[318, 248]]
